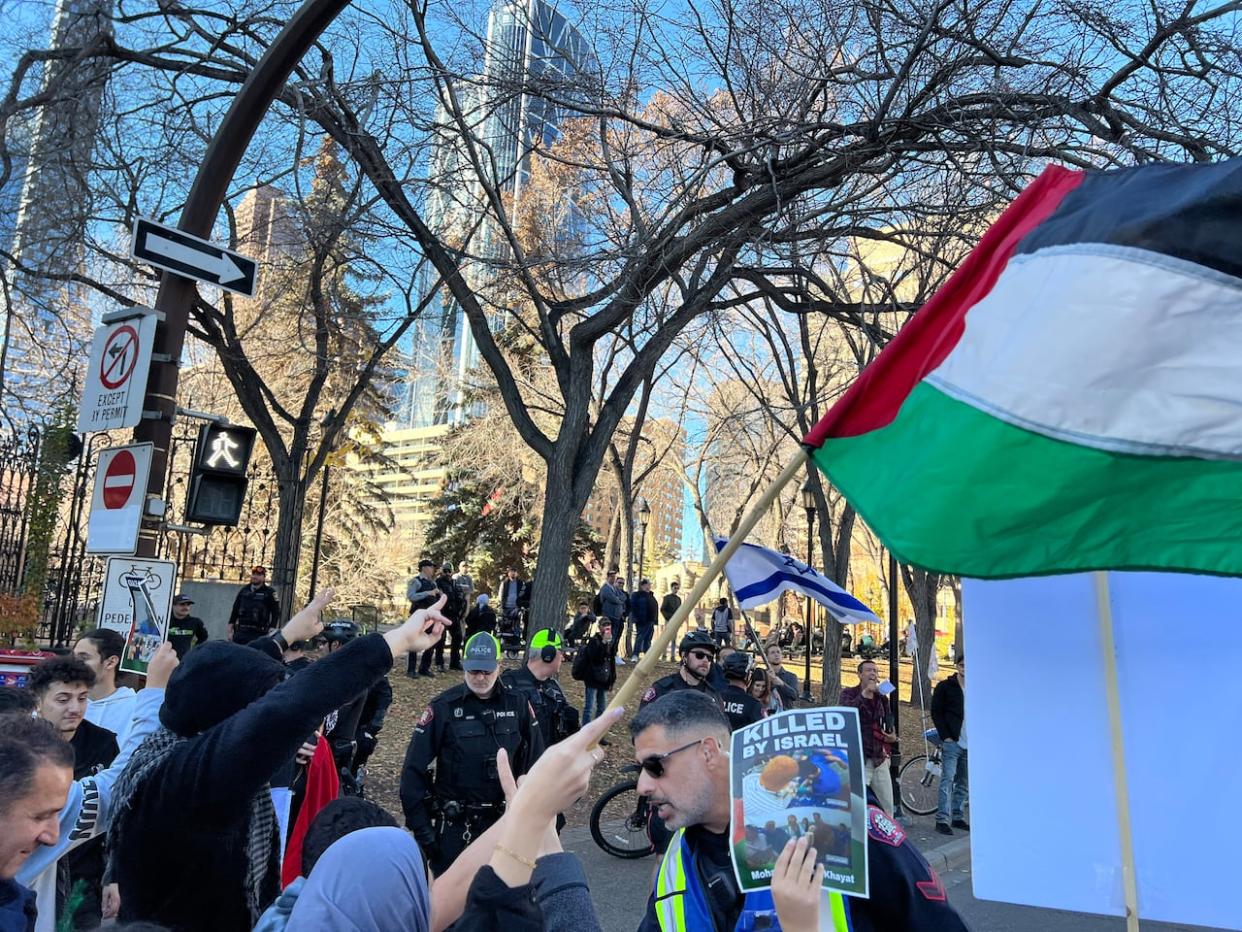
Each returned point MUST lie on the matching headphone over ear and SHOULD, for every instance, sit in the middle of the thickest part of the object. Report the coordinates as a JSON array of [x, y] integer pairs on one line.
[[547, 643]]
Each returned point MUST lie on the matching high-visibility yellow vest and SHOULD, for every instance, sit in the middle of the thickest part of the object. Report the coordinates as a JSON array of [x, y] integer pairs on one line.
[[681, 906]]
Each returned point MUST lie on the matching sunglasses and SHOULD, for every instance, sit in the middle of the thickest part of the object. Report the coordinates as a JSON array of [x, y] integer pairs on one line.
[[479, 672], [654, 765], [701, 655]]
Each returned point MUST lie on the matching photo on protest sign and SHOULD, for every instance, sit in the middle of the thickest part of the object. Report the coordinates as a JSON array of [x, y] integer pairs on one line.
[[800, 773], [137, 604]]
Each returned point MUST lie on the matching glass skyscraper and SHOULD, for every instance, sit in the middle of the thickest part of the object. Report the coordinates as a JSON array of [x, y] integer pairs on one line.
[[527, 40]]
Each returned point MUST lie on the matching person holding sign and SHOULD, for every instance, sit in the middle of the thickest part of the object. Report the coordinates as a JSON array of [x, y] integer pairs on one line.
[[681, 742]]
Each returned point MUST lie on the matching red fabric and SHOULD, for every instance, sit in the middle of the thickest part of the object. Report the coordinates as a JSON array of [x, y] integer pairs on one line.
[[923, 343], [322, 786]]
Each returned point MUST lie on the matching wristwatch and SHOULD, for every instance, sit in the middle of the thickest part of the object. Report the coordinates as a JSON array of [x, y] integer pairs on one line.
[[280, 640]]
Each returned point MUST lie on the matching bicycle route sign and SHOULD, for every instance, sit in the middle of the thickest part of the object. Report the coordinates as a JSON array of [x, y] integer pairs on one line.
[[116, 377]]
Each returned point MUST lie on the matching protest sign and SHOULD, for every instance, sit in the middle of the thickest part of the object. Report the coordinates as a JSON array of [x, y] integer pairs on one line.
[[136, 603], [800, 773]]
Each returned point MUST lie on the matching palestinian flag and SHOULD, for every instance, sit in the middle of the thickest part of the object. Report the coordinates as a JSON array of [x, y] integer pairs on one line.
[[1071, 399]]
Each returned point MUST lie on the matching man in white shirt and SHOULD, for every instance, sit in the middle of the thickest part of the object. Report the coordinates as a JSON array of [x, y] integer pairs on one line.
[[109, 706]]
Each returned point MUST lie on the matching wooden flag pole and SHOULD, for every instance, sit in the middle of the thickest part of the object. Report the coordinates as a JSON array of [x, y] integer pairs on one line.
[[646, 666], [1129, 881]]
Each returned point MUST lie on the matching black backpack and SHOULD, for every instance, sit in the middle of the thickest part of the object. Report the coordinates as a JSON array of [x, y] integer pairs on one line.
[[581, 667]]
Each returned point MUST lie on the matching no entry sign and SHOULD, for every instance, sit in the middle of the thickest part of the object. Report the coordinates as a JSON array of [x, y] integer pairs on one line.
[[116, 378], [116, 505], [118, 480]]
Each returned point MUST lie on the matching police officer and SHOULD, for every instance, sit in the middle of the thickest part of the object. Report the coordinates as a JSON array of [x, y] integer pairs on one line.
[[697, 651], [459, 734], [537, 679], [681, 744], [739, 705], [255, 610]]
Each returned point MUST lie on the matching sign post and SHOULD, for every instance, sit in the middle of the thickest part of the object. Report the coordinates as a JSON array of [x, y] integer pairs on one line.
[[116, 377], [137, 603], [121, 475]]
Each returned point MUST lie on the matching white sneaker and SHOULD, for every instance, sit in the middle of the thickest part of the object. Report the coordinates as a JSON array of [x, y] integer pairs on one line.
[[621, 660]]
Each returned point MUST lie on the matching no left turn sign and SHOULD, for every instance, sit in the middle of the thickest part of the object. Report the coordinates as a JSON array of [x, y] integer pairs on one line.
[[120, 355]]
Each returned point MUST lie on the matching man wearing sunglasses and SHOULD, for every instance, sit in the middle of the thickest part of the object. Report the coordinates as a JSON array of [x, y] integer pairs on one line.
[[458, 735], [681, 743], [698, 652]]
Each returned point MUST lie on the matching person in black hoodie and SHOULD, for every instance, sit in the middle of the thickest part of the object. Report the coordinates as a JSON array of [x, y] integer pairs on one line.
[[195, 832], [948, 709]]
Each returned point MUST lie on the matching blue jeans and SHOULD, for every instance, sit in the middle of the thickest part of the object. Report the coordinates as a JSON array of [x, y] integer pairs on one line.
[[642, 640], [595, 703], [953, 778]]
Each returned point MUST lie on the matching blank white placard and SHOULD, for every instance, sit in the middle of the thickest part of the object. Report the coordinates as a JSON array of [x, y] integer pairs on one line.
[[1043, 816]]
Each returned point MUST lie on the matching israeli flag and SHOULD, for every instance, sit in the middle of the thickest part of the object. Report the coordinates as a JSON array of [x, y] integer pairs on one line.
[[758, 575]]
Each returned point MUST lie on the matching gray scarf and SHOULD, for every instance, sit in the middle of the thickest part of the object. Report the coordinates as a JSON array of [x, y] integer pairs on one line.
[[262, 841]]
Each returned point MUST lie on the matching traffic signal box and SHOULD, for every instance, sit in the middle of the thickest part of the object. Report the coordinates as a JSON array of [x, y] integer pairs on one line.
[[218, 477]]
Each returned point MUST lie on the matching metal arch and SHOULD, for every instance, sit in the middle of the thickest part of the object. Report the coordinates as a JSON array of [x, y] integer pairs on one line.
[[207, 193]]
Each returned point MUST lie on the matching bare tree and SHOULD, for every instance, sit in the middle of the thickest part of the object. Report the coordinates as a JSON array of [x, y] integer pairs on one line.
[[684, 136]]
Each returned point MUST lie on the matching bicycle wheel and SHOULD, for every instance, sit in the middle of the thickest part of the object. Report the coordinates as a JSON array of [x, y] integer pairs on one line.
[[919, 781], [619, 822]]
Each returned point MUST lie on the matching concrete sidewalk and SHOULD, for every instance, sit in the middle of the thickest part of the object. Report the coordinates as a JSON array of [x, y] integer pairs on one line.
[[620, 888]]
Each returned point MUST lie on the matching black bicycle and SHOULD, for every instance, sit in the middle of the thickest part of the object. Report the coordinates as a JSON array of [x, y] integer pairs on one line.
[[621, 821], [919, 778]]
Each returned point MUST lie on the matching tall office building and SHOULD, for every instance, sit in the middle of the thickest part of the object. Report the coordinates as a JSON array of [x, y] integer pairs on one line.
[[49, 200], [527, 40]]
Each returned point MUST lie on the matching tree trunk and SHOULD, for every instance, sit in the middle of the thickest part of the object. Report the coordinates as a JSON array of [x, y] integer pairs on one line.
[[955, 583], [290, 502], [921, 587], [561, 513]]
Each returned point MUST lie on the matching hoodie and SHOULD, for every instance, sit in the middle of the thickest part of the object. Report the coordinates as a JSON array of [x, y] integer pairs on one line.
[[371, 880], [87, 811], [114, 713], [185, 858]]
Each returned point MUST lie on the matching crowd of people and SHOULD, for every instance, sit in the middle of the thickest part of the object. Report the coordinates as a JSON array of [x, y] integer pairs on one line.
[[224, 794]]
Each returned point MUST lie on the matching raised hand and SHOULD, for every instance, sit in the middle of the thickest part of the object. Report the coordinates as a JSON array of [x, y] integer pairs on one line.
[[309, 621], [421, 630], [161, 666]]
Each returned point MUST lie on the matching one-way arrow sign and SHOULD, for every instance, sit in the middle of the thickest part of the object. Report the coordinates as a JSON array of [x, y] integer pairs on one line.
[[178, 252]]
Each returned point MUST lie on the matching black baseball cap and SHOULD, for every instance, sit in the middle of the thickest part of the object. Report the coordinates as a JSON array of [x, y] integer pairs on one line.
[[182, 599]]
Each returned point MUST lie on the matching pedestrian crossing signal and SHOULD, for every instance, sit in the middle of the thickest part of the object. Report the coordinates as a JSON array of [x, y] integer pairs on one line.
[[218, 481]]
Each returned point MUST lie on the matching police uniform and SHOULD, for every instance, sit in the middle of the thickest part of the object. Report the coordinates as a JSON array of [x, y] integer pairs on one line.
[[557, 718], [740, 706], [672, 683], [460, 733], [691, 892]]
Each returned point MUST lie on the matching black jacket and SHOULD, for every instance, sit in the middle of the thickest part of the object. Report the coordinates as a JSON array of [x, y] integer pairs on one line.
[[255, 608], [458, 734], [672, 683], [455, 606], [948, 709], [643, 609], [601, 663], [192, 624], [740, 706], [480, 619], [183, 860], [558, 719], [669, 605]]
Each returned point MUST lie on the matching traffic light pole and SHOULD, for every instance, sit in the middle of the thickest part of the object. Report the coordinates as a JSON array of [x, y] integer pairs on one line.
[[176, 294]]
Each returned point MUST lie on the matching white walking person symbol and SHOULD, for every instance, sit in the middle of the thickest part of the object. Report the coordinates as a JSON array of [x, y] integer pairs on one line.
[[222, 448]]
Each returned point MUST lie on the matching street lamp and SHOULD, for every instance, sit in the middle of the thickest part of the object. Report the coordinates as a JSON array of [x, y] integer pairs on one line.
[[808, 503], [644, 518], [323, 501]]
